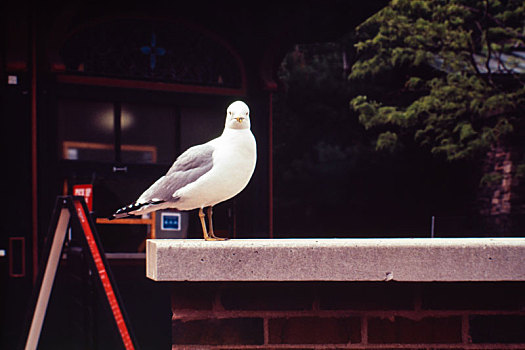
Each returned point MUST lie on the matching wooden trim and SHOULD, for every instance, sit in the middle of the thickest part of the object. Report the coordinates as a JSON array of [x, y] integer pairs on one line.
[[125, 221], [150, 85]]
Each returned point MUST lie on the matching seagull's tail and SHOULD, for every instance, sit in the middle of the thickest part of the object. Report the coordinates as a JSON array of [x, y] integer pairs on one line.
[[130, 210]]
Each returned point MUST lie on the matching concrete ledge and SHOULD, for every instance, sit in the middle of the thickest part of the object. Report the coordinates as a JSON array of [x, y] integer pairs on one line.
[[414, 260]]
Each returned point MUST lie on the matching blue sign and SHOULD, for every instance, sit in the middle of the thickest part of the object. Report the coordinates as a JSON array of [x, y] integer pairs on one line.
[[170, 221]]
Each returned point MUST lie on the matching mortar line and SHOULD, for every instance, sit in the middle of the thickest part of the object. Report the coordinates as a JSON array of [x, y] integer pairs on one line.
[[465, 329], [203, 314], [364, 330], [266, 331]]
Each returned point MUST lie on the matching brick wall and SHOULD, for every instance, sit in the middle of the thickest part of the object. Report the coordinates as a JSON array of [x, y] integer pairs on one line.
[[348, 315]]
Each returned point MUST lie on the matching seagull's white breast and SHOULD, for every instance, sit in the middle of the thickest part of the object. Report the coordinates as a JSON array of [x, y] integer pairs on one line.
[[234, 161]]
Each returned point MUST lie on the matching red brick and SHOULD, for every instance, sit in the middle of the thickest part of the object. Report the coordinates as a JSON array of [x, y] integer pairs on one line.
[[236, 331], [474, 296], [366, 296], [405, 330], [497, 328], [194, 296], [268, 296], [314, 330]]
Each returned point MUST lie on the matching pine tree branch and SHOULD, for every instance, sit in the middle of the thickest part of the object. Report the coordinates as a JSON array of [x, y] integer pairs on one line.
[[497, 21]]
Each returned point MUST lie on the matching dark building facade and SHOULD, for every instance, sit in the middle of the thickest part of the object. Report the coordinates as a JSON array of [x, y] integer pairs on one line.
[[109, 93]]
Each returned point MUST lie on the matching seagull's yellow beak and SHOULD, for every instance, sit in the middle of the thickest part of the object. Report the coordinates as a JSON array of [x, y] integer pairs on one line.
[[239, 119]]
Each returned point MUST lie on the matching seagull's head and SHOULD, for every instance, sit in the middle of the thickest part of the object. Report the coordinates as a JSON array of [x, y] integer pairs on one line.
[[238, 116]]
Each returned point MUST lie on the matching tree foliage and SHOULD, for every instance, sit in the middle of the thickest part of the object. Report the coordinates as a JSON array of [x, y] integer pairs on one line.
[[329, 180], [461, 65]]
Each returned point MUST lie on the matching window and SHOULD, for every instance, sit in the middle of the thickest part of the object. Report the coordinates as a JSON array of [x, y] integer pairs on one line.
[[114, 132], [86, 130]]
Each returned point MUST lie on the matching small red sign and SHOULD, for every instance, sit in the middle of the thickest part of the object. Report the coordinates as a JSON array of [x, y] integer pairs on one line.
[[85, 191]]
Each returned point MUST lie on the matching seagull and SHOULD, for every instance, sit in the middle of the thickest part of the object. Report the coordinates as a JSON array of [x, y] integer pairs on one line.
[[204, 175]]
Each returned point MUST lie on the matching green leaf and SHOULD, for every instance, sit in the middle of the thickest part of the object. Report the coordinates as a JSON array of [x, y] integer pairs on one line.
[[465, 130], [386, 141]]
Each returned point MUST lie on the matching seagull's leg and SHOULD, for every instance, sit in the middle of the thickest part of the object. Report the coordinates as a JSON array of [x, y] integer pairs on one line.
[[204, 231], [210, 225], [210, 221]]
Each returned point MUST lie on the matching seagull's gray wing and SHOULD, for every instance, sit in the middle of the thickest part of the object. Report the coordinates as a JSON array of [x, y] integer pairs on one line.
[[190, 166]]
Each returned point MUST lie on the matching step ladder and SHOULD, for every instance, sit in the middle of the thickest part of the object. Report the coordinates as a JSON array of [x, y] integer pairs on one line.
[[71, 211]]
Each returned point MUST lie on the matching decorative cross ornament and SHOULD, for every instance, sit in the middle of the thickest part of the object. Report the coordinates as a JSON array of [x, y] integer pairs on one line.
[[153, 51]]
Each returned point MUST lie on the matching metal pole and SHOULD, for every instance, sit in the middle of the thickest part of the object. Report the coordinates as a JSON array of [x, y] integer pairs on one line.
[[270, 165]]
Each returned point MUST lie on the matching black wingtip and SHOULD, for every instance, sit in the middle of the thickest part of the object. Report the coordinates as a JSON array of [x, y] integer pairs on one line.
[[124, 212]]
